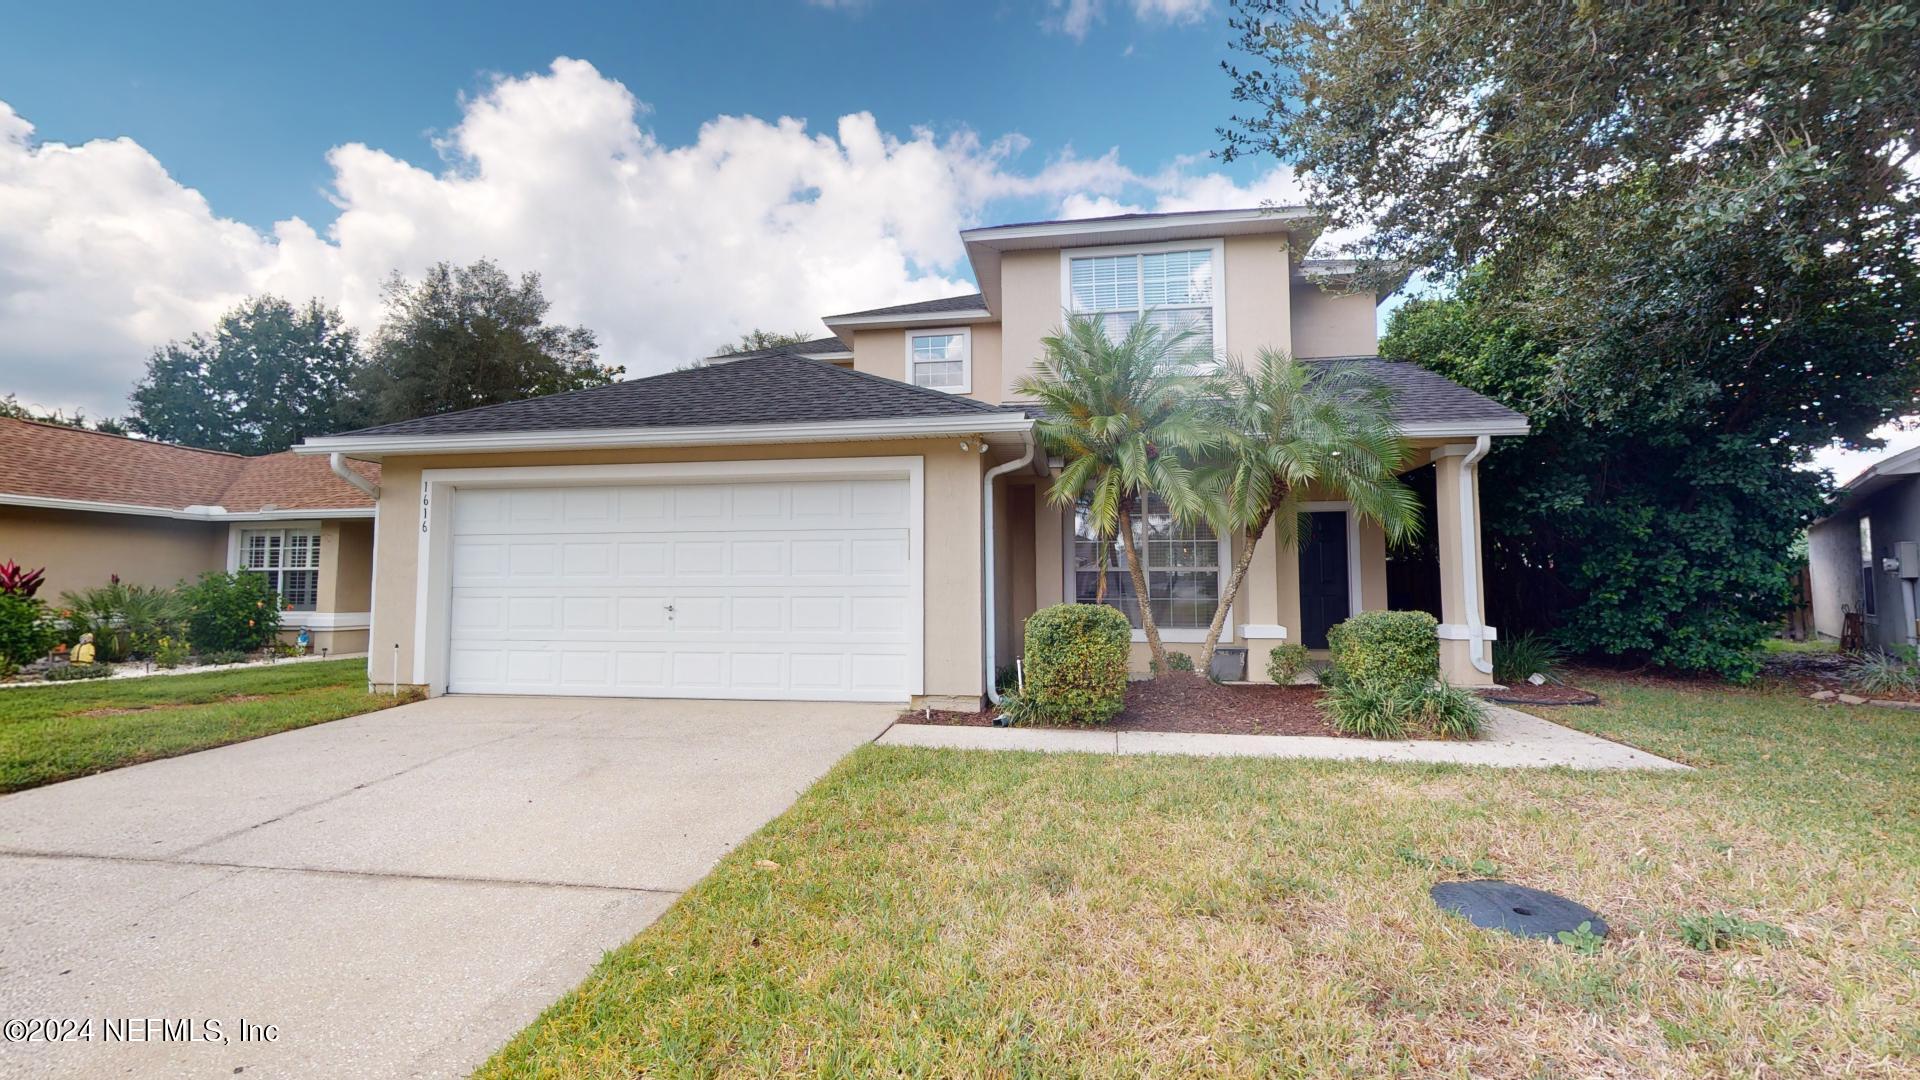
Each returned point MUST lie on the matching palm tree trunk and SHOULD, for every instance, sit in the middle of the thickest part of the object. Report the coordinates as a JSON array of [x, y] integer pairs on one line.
[[1255, 529], [1139, 574]]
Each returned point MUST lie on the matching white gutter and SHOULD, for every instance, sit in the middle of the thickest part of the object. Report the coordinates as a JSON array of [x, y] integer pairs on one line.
[[338, 463], [913, 318], [986, 496], [191, 513], [970, 423], [1470, 556]]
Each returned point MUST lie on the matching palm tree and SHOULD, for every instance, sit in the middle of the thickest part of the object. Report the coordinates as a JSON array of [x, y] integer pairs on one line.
[[1291, 431], [1124, 417]]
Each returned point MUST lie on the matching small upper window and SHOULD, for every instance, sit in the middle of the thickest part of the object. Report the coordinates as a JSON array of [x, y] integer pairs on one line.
[[941, 360]]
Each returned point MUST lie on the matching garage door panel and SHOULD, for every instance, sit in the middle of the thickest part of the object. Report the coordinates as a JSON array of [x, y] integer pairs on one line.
[[776, 589]]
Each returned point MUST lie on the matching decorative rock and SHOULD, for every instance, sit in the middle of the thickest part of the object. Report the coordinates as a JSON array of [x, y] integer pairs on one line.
[[1537, 679], [1852, 699], [1895, 704], [1822, 695]]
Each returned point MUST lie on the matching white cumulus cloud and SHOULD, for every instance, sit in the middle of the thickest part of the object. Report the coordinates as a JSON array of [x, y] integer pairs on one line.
[[664, 250]]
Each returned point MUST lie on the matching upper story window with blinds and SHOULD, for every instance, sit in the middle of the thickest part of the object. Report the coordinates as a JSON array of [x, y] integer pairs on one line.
[[1176, 285]]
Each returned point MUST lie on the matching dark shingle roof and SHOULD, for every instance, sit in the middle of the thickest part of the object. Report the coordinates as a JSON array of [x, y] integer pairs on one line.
[[1425, 397], [799, 348], [969, 302], [774, 390]]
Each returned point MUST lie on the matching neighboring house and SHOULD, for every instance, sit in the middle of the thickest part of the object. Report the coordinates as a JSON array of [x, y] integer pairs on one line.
[[89, 506], [1864, 555], [864, 517]]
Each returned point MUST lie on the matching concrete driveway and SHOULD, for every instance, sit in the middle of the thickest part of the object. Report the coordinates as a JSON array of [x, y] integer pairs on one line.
[[396, 893]]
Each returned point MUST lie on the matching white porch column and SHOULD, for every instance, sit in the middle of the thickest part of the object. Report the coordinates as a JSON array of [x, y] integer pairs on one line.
[[1466, 642]]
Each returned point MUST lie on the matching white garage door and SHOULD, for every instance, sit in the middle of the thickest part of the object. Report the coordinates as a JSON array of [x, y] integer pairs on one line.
[[790, 589]]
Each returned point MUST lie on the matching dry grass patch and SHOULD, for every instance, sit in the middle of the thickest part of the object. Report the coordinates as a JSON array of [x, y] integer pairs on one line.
[[942, 913]]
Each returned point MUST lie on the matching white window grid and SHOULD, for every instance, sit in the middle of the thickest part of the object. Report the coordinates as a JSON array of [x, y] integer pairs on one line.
[[290, 561], [1179, 287]]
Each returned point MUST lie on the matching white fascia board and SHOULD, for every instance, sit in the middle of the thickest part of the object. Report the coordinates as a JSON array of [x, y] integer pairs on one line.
[[1434, 429], [920, 318], [622, 438], [212, 514], [1057, 230]]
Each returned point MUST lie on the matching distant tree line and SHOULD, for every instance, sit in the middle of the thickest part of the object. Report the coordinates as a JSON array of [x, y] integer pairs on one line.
[[272, 373]]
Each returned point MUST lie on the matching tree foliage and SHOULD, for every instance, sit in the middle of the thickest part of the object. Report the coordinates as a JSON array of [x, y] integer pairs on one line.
[[12, 408], [1670, 191], [269, 375], [467, 336], [756, 339], [1658, 540]]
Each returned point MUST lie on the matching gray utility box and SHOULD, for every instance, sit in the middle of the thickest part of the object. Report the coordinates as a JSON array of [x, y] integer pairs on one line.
[[1229, 665]]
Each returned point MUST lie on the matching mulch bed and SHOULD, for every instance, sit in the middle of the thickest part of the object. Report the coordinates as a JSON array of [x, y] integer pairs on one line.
[[1545, 694], [1189, 703]]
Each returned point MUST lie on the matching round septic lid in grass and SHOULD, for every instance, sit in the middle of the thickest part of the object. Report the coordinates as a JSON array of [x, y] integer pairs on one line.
[[1501, 905]]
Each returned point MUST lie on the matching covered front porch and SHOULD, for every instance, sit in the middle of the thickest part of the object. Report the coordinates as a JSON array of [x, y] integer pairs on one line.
[[1293, 592]]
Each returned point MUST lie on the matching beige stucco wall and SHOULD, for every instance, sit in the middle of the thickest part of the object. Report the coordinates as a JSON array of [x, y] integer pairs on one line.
[[1333, 323], [884, 353], [1258, 279], [953, 630], [1029, 311], [82, 550]]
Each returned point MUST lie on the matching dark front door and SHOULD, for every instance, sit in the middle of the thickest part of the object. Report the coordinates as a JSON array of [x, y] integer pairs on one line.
[[1323, 576]]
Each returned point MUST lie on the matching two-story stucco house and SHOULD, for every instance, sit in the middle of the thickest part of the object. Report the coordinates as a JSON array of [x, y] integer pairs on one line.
[[864, 517]]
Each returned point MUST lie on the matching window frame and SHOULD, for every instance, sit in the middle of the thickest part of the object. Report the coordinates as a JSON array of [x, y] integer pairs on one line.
[[1218, 258], [965, 334], [1869, 582], [237, 556], [1179, 635]]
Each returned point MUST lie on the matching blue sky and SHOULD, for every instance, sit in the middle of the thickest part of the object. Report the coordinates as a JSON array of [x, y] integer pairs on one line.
[[242, 101]]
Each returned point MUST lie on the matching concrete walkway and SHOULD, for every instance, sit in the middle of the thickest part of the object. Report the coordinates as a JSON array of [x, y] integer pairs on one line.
[[1513, 739], [397, 893]]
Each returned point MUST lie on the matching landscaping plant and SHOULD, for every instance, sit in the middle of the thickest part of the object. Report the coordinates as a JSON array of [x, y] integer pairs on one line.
[[26, 634], [1285, 662], [17, 580], [232, 613], [125, 620], [1389, 647], [1890, 672], [1125, 419], [1289, 431], [1179, 661], [1522, 655], [1385, 680], [1076, 664], [171, 652], [72, 672]]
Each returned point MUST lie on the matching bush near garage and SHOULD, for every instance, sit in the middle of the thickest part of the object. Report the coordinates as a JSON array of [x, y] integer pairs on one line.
[[1076, 664], [26, 634], [231, 613], [1386, 647]]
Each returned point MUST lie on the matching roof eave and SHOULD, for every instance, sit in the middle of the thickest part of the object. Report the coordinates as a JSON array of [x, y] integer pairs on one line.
[[373, 447], [208, 514]]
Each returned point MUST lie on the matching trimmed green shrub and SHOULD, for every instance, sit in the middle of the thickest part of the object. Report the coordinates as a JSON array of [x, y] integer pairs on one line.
[[25, 633], [1522, 655], [70, 672], [1179, 661], [232, 613], [170, 652], [1285, 662], [1388, 710], [1392, 647], [1076, 664]]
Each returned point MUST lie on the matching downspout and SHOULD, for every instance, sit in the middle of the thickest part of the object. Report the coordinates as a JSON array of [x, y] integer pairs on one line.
[[1470, 561], [338, 463], [986, 499]]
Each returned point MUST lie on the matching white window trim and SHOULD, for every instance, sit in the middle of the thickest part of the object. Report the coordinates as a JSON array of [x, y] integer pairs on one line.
[[1178, 635], [235, 531], [1356, 598], [1219, 258], [439, 488], [966, 357]]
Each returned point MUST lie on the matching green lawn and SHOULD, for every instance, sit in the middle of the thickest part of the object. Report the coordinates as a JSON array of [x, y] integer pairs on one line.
[[59, 732], [949, 913]]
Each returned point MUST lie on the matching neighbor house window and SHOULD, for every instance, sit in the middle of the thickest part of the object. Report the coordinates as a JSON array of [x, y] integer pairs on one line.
[[1866, 567], [1182, 562], [290, 558], [941, 360], [1176, 287]]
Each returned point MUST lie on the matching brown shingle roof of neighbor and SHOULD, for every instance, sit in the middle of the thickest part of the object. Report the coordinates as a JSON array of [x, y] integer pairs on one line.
[[53, 461], [779, 389], [969, 302]]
